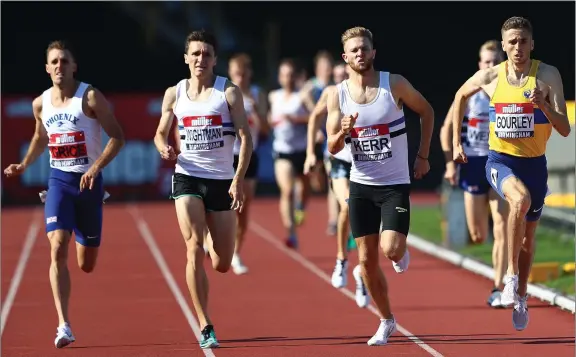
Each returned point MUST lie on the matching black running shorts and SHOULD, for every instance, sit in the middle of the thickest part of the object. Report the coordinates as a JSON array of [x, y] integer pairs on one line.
[[297, 159], [379, 208], [214, 193]]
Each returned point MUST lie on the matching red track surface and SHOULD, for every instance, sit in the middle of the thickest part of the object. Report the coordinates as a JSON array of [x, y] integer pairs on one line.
[[283, 307]]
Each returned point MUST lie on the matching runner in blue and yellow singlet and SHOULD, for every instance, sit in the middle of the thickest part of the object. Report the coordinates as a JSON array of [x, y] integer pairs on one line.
[[526, 102]]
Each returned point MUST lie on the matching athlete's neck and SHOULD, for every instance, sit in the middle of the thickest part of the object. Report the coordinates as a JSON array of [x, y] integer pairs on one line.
[[519, 70], [198, 84], [365, 79], [65, 90]]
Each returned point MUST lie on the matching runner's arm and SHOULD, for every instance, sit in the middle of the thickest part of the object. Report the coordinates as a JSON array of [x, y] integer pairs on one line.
[[238, 116], [262, 109], [98, 104], [40, 138], [336, 136], [446, 135], [468, 89], [314, 121], [163, 130], [555, 110], [407, 94]]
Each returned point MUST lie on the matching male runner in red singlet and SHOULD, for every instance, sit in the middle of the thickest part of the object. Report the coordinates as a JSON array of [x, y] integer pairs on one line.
[[526, 101], [205, 188], [365, 116], [479, 198], [69, 118]]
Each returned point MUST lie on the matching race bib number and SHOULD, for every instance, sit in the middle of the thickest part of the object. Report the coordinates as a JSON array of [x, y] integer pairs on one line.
[[514, 121], [68, 149], [478, 132], [371, 143], [203, 132]]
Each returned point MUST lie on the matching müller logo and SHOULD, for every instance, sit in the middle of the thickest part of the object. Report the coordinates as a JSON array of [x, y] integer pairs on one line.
[[368, 132], [512, 109], [201, 121]]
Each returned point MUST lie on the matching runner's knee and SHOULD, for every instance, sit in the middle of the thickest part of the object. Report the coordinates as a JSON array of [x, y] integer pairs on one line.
[[220, 265], [519, 200], [477, 235], [393, 245]]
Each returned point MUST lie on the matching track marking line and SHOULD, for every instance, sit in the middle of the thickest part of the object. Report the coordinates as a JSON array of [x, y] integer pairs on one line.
[[150, 241], [276, 242], [29, 241]]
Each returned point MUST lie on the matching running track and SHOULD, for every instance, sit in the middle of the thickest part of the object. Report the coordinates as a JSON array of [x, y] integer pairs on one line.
[[136, 302]]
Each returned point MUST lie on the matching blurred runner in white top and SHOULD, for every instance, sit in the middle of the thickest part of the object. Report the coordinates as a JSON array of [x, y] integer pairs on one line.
[[289, 111], [240, 73]]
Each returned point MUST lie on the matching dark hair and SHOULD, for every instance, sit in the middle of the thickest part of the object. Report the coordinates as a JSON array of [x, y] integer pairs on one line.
[[242, 59], [517, 23], [289, 62], [201, 36], [59, 45], [323, 54]]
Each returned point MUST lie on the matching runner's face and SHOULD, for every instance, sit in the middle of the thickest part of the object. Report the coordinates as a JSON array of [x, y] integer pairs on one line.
[[517, 44], [60, 66], [340, 73], [323, 68], [489, 59], [359, 54], [239, 74], [200, 58], [286, 76]]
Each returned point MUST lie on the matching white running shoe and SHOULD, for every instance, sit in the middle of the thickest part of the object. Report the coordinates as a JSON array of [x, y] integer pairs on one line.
[[520, 316], [362, 297], [385, 330], [64, 336], [237, 266], [509, 294], [402, 265], [340, 274]]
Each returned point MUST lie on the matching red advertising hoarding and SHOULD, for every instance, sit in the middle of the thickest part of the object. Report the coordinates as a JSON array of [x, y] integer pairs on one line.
[[136, 173]]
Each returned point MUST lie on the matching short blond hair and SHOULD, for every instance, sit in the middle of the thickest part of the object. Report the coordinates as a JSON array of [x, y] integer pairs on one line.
[[357, 31], [491, 45]]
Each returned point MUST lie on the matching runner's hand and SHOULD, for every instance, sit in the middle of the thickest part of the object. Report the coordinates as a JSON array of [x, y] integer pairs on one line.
[[347, 122], [458, 155], [14, 170], [87, 180], [421, 167], [537, 97], [450, 174], [237, 193], [309, 163], [168, 153]]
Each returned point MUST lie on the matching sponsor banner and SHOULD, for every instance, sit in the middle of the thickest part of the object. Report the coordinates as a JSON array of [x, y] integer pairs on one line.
[[136, 173]]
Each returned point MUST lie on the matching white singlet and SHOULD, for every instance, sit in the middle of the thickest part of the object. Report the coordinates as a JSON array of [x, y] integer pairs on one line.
[[344, 154], [378, 141], [252, 124], [288, 137], [206, 133], [75, 140], [476, 125]]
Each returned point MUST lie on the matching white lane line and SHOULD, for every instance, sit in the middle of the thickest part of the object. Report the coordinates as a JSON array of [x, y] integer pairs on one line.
[[150, 241], [276, 242], [29, 241]]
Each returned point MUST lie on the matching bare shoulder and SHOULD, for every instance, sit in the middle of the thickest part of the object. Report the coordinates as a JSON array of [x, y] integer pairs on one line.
[[548, 74], [332, 98], [232, 92], [37, 106], [272, 94], [487, 75], [170, 94]]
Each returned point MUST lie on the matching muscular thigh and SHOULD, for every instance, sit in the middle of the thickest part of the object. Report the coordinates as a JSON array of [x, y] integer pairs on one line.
[[363, 211], [284, 174], [476, 207], [341, 188], [190, 212], [222, 226]]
